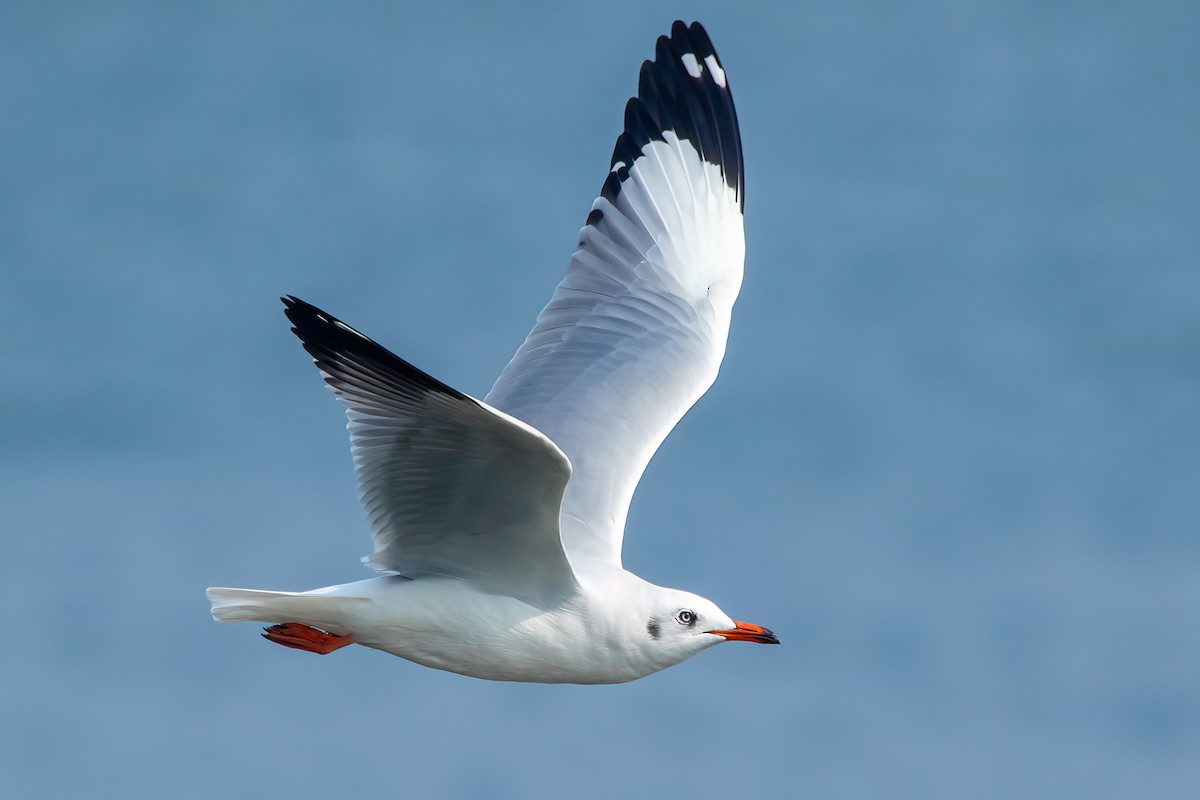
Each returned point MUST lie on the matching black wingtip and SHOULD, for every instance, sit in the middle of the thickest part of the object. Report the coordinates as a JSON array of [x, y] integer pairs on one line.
[[317, 327], [297, 310], [304, 315], [684, 90], [344, 354]]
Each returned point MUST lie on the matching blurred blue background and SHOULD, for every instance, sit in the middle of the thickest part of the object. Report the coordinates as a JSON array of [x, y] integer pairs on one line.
[[952, 458]]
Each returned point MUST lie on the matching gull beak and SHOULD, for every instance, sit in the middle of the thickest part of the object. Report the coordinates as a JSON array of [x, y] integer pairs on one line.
[[745, 632]]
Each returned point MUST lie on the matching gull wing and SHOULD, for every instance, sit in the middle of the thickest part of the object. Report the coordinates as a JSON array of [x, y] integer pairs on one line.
[[450, 485], [636, 331]]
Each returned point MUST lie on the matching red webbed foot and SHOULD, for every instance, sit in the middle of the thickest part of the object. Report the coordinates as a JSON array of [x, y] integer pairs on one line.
[[305, 637]]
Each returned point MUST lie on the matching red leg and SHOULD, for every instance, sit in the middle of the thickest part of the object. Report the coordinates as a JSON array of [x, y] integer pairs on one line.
[[305, 637]]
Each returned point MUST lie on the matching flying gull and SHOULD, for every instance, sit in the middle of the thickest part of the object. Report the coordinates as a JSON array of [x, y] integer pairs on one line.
[[497, 523]]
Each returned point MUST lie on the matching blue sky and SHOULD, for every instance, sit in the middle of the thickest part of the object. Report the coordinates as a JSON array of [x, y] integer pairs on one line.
[[951, 458]]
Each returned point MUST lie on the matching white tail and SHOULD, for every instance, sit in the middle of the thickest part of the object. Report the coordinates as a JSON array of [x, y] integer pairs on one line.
[[256, 605]]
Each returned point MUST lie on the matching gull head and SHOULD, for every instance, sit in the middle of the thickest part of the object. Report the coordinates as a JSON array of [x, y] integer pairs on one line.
[[675, 625]]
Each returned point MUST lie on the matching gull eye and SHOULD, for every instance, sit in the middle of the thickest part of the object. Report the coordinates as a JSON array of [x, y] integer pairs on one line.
[[686, 617]]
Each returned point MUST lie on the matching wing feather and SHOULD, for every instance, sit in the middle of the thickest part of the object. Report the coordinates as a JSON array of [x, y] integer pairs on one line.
[[635, 332], [450, 485]]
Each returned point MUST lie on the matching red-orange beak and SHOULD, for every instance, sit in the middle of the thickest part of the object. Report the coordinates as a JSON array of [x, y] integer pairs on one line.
[[745, 632]]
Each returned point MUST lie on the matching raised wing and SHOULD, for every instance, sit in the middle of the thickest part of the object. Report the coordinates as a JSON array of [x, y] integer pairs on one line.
[[450, 485], [635, 332]]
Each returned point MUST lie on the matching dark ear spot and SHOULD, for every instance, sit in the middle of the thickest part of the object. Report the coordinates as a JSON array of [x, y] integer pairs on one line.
[[652, 629]]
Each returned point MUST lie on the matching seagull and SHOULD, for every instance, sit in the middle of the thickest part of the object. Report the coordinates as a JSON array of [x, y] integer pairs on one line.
[[497, 523]]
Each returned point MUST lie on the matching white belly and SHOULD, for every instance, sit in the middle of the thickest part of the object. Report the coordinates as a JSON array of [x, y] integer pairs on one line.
[[451, 625]]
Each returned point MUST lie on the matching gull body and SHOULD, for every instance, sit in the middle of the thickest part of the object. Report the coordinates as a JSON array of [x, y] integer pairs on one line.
[[498, 522], [601, 635]]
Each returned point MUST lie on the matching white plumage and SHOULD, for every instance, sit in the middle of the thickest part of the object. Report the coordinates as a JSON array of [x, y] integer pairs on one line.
[[500, 522]]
